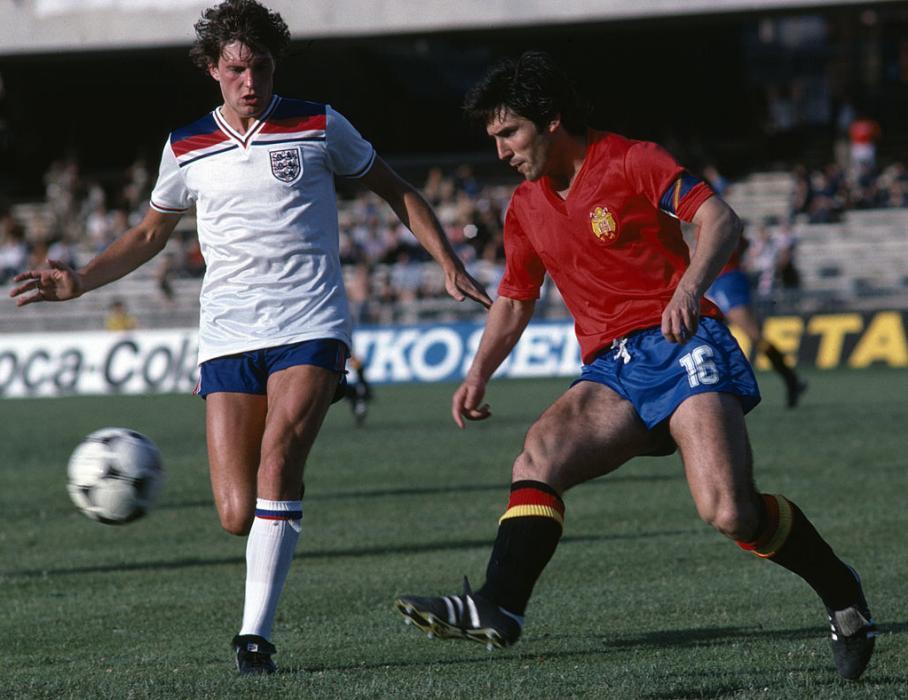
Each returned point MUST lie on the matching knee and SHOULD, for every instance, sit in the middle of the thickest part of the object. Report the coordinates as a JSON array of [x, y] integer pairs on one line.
[[736, 519], [534, 463], [236, 518]]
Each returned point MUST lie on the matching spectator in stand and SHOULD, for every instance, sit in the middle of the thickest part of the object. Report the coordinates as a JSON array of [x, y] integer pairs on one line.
[[119, 318], [13, 247], [801, 192], [863, 133], [760, 261], [167, 269], [786, 242], [893, 183], [358, 293]]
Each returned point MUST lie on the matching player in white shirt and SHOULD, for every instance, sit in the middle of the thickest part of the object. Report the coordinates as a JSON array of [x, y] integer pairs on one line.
[[274, 325]]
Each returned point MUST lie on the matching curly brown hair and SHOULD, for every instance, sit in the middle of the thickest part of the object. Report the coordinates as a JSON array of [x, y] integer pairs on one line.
[[246, 21]]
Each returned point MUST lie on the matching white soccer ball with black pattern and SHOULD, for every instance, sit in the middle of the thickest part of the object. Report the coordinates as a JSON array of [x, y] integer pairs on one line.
[[115, 475]]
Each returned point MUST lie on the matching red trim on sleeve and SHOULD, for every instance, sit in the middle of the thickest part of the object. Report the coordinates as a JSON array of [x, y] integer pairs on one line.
[[689, 205]]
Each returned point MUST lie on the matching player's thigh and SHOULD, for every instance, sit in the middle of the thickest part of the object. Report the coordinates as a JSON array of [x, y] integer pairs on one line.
[[589, 431], [298, 401], [711, 435], [234, 425]]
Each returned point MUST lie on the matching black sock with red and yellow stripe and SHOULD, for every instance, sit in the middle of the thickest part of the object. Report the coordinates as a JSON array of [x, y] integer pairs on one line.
[[789, 539], [528, 534]]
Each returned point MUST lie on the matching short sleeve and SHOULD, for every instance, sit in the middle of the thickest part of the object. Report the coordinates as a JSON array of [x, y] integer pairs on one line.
[[349, 154], [656, 175], [524, 271], [170, 194]]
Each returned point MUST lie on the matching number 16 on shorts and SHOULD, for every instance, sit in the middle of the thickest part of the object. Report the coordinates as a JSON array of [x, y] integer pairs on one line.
[[699, 365]]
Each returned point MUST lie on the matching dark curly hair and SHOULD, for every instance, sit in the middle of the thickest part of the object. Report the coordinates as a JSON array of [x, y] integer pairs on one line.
[[532, 86], [245, 21]]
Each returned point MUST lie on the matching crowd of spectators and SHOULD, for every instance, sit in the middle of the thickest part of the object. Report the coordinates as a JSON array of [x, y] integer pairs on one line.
[[823, 195], [384, 266], [383, 263]]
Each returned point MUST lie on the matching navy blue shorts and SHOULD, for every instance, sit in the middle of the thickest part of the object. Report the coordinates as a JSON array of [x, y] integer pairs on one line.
[[730, 291], [248, 372], [656, 375]]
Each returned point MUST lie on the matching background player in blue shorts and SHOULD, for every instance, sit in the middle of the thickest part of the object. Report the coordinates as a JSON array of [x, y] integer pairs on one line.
[[731, 293]]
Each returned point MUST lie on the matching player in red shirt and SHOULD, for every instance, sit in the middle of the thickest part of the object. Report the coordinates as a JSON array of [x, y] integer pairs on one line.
[[599, 213]]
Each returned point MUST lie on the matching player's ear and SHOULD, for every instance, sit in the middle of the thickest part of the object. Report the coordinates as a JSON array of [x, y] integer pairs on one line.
[[553, 125], [214, 72]]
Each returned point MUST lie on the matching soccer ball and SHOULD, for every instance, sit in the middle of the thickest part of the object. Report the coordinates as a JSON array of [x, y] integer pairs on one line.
[[114, 475]]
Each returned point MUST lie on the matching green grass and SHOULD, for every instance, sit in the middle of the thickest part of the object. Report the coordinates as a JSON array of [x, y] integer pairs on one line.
[[640, 601]]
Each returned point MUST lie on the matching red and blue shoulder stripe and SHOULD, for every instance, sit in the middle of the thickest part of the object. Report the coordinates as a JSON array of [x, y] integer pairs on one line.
[[199, 140], [294, 120]]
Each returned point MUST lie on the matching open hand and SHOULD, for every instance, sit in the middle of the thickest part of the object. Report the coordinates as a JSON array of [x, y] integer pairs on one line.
[[58, 283]]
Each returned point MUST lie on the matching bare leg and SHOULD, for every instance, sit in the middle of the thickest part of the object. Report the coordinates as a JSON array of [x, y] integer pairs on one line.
[[234, 425], [589, 431], [712, 437]]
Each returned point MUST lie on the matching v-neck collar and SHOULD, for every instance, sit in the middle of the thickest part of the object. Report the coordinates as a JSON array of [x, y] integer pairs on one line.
[[244, 140], [559, 203]]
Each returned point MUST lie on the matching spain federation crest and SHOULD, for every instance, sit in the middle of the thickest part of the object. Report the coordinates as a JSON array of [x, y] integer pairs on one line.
[[603, 224], [286, 165]]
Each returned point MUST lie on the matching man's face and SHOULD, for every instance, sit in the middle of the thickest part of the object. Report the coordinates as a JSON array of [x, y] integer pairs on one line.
[[520, 143], [246, 78]]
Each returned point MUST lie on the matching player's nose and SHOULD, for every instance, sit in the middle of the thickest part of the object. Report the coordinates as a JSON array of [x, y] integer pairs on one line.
[[504, 153]]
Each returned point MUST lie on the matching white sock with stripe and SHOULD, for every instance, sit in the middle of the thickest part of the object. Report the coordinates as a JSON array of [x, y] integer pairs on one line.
[[269, 553]]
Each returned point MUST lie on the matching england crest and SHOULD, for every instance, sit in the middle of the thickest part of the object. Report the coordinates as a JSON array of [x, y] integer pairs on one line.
[[285, 164]]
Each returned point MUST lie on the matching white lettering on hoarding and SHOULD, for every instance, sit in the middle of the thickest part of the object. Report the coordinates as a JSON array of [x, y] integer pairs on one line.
[[452, 347]]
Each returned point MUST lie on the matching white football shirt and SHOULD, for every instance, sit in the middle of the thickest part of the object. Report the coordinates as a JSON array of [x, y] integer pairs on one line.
[[267, 222]]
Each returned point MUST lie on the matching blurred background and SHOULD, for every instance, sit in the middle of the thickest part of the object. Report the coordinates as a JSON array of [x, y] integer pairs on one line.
[[795, 112]]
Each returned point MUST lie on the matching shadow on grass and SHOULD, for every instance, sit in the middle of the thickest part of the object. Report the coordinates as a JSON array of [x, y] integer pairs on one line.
[[377, 551], [652, 641], [434, 490]]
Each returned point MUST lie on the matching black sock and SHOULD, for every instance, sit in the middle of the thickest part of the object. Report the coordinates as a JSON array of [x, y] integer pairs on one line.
[[790, 540], [528, 534], [777, 360]]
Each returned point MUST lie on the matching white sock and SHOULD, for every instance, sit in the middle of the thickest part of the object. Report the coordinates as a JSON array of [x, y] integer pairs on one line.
[[269, 552]]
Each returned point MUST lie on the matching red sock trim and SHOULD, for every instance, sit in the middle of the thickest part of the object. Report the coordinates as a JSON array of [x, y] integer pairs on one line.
[[532, 502], [779, 518]]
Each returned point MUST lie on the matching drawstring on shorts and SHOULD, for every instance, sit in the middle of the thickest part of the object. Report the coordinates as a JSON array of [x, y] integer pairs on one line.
[[619, 345]]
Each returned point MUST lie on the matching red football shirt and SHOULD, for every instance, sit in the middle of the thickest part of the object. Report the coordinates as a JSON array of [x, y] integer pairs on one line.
[[614, 247]]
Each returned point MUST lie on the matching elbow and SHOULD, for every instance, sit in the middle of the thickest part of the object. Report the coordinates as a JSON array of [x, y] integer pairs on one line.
[[732, 225], [737, 226]]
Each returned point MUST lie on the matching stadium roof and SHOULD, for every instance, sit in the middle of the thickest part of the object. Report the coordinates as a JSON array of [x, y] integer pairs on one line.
[[41, 26]]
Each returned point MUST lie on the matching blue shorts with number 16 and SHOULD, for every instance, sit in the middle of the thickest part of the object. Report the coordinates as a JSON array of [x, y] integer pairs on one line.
[[656, 376]]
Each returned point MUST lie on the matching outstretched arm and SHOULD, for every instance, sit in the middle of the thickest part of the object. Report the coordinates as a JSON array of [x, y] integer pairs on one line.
[[416, 214], [506, 322], [135, 247], [718, 233]]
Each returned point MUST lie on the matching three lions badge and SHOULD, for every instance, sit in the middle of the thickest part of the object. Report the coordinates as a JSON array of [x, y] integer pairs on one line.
[[603, 224], [286, 165]]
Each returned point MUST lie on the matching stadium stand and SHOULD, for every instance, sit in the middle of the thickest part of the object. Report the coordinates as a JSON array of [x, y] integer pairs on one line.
[[858, 261]]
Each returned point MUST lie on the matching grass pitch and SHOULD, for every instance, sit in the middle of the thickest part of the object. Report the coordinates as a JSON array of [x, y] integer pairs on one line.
[[640, 601]]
